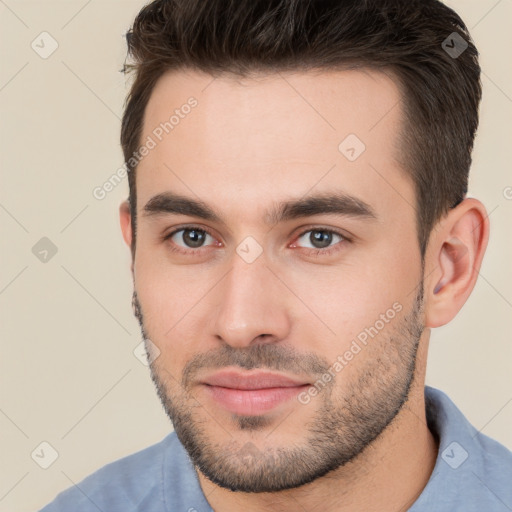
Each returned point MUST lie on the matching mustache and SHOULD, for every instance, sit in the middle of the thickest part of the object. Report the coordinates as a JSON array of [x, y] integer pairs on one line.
[[266, 356]]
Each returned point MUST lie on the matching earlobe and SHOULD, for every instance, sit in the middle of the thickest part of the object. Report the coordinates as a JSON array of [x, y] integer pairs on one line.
[[455, 256]]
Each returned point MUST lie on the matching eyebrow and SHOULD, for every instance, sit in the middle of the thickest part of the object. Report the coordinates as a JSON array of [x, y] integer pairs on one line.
[[339, 203]]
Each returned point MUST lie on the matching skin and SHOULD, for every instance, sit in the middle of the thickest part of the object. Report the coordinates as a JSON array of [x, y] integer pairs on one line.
[[247, 145]]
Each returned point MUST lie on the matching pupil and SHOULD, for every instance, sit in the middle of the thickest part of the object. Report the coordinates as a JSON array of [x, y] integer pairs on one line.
[[195, 237], [322, 237]]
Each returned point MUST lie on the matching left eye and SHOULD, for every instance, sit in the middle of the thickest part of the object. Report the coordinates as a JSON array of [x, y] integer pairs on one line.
[[192, 238], [320, 238]]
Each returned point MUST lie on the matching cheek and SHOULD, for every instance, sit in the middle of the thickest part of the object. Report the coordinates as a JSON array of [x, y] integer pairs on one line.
[[167, 297], [351, 301], [349, 297]]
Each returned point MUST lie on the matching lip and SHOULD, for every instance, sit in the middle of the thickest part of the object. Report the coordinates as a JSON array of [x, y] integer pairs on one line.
[[251, 380], [251, 393]]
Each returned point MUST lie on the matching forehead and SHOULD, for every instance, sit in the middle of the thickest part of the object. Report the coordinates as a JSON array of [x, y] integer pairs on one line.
[[273, 136]]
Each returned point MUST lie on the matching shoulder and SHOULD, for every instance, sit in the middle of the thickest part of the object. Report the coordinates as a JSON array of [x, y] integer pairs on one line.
[[454, 429], [126, 484], [472, 472], [493, 466]]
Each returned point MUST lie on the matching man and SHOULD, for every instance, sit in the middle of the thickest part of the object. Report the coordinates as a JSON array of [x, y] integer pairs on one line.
[[298, 223]]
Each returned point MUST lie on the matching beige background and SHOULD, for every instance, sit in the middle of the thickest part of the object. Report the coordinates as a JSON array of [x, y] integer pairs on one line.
[[68, 374]]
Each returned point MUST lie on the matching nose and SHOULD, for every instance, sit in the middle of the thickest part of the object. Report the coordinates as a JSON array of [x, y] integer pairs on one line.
[[253, 305]]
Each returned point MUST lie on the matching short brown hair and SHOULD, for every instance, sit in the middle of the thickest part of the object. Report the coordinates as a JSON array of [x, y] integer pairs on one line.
[[409, 40]]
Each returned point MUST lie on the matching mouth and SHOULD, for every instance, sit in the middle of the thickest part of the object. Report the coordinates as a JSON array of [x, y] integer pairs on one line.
[[251, 393]]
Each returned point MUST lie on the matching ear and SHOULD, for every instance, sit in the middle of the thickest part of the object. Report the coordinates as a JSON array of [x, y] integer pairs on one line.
[[454, 256], [125, 219]]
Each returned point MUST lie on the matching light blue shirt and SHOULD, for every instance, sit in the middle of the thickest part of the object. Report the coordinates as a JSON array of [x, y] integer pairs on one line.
[[473, 473]]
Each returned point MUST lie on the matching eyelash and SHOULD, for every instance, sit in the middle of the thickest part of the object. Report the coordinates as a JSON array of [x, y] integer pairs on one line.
[[314, 252]]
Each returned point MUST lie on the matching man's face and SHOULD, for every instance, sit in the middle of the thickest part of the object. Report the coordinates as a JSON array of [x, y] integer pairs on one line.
[[329, 299]]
